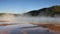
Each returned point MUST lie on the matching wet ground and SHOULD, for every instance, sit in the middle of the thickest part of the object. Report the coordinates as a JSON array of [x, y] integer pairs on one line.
[[17, 29]]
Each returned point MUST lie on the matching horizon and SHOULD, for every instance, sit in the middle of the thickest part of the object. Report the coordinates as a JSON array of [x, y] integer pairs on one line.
[[23, 6]]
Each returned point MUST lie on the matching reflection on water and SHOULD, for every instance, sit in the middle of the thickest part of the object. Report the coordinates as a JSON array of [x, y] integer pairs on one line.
[[20, 22]]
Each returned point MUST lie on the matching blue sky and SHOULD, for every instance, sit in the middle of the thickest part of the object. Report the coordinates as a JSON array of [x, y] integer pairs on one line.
[[22, 6]]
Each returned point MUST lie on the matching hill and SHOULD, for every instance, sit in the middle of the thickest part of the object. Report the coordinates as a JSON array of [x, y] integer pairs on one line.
[[50, 11]]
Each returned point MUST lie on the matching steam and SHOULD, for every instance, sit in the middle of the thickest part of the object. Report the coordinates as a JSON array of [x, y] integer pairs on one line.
[[9, 18]]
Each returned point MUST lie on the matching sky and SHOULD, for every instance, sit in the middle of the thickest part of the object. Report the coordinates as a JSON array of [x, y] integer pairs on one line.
[[23, 6]]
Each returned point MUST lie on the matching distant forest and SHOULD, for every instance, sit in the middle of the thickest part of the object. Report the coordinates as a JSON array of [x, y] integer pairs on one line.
[[50, 11], [1, 14]]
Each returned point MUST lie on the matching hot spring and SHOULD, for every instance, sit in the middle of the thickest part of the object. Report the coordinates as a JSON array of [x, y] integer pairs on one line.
[[23, 20]]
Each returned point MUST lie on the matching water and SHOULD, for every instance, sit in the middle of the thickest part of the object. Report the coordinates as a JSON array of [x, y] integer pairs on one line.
[[38, 19], [19, 22], [24, 20]]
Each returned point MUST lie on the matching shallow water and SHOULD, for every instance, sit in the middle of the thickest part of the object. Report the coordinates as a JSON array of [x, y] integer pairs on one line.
[[25, 20], [20, 22]]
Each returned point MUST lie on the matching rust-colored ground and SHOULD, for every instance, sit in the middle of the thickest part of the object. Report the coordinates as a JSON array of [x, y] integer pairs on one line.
[[4, 24], [52, 26], [55, 27]]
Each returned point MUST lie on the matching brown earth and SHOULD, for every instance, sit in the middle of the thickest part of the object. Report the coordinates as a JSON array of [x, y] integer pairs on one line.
[[55, 27], [4, 24]]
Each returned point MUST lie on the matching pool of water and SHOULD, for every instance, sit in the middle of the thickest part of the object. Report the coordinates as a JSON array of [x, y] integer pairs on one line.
[[25, 20]]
